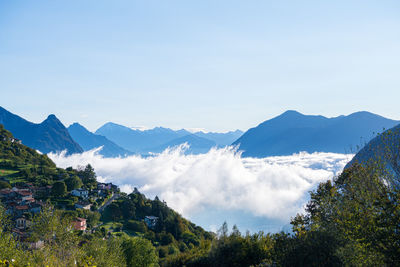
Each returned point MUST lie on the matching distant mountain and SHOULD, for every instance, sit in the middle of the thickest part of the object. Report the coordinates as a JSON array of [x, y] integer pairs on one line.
[[88, 140], [221, 139], [157, 139], [48, 136], [384, 148], [136, 140], [197, 145], [293, 132]]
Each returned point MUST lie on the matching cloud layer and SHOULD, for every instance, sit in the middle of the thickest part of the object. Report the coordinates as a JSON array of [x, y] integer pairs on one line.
[[275, 187]]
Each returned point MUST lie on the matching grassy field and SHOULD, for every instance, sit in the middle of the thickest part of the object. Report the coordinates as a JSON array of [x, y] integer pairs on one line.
[[113, 226]]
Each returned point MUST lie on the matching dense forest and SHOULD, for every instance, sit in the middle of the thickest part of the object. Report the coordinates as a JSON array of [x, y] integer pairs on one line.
[[352, 220]]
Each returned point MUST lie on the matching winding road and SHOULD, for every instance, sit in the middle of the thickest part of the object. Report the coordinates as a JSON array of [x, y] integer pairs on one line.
[[114, 197]]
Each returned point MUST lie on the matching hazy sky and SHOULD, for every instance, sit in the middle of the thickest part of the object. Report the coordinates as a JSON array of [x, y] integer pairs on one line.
[[217, 65]]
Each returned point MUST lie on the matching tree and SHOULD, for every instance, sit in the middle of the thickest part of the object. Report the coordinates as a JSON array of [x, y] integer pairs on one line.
[[139, 252], [112, 212], [104, 253], [73, 182], [359, 212], [59, 189], [128, 209], [60, 243], [88, 176]]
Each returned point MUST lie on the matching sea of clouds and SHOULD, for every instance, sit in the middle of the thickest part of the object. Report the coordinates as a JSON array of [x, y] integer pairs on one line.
[[260, 194]]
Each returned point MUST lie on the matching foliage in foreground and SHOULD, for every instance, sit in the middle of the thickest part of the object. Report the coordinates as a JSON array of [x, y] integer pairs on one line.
[[65, 247]]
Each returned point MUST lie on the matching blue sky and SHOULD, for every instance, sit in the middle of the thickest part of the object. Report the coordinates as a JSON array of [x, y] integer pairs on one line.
[[218, 65]]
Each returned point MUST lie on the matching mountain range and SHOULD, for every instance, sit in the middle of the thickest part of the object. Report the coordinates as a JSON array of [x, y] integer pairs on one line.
[[293, 132], [158, 139], [116, 140], [138, 141], [48, 136], [288, 133]]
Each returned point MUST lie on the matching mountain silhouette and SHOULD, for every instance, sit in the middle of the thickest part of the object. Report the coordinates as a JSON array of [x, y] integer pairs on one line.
[[293, 132], [48, 136]]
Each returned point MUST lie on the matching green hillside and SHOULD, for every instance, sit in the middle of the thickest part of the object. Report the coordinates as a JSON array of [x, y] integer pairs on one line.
[[19, 163]]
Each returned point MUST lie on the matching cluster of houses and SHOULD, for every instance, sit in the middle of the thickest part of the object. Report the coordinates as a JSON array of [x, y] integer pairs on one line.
[[21, 205], [21, 199], [102, 191]]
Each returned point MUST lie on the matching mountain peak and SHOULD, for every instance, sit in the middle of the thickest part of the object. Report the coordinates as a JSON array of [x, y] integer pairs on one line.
[[52, 117], [76, 125], [54, 121], [291, 113]]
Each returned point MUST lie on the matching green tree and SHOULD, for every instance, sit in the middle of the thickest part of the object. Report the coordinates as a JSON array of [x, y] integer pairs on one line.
[[88, 176], [60, 242], [104, 253], [128, 209], [73, 182], [360, 212], [59, 189], [139, 252]]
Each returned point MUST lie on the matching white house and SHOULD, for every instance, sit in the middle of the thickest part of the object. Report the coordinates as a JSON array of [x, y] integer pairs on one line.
[[83, 193]]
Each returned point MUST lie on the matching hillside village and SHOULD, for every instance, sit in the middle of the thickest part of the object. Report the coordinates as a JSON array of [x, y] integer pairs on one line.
[[25, 200]]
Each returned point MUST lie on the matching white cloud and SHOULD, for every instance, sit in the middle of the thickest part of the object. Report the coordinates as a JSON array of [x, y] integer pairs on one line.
[[272, 187]]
